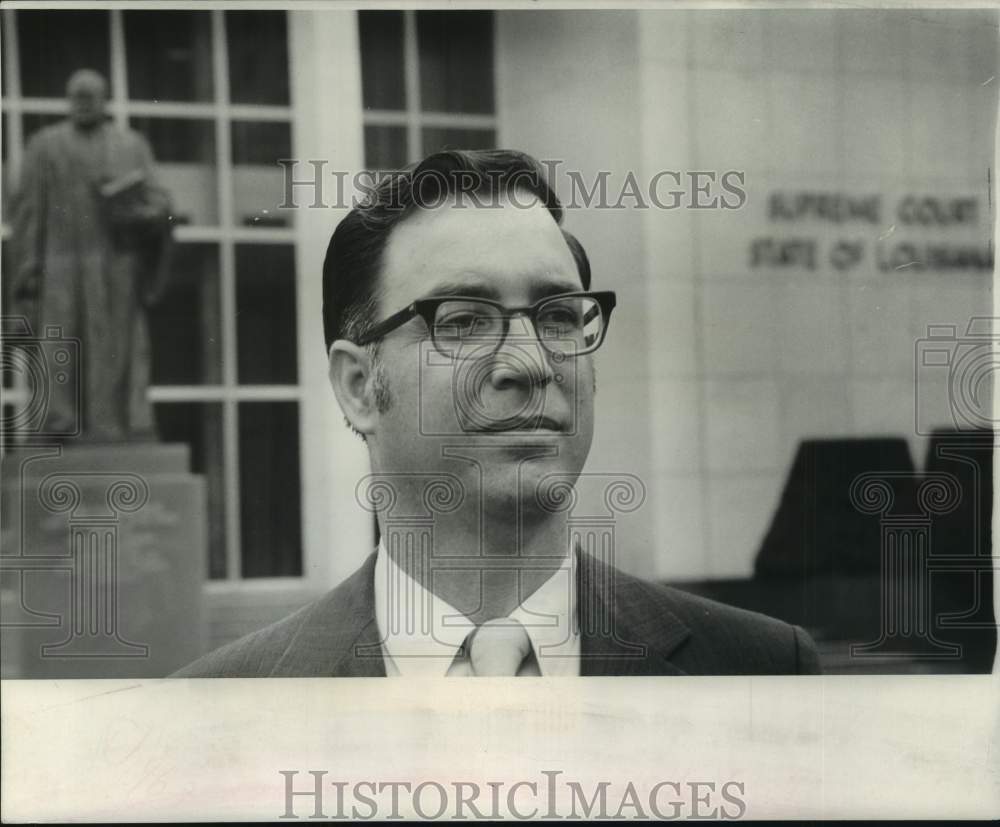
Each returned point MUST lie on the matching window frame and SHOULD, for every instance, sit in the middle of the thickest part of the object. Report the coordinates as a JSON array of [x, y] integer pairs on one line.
[[413, 117], [225, 234]]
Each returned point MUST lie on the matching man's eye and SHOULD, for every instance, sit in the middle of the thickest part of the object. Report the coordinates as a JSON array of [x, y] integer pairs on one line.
[[460, 321], [560, 316]]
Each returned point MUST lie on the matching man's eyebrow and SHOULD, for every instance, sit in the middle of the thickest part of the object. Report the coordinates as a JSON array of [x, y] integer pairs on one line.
[[554, 288], [488, 291], [459, 288]]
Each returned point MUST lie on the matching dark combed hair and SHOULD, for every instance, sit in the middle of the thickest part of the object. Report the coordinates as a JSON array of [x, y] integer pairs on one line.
[[354, 254]]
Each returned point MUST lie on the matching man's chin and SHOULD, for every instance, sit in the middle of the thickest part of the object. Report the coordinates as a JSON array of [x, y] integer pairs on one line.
[[522, 484]]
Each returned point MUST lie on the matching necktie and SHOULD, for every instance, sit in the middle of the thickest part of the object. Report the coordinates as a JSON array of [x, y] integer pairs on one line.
[[500, 647]]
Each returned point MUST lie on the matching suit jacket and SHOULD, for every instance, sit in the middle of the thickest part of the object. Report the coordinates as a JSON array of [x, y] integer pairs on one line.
[[628, 627]]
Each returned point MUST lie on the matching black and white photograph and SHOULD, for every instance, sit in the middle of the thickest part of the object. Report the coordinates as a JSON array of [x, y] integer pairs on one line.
[[646, 352]]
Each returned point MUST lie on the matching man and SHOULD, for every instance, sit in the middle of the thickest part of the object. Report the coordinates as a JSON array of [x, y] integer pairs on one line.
[[91, 233], [460, 328]]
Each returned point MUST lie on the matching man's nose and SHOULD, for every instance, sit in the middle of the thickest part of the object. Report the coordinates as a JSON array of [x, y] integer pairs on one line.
[[521, 359]]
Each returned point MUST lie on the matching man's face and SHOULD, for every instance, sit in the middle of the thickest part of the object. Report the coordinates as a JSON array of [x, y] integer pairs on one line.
[[490, 407], [86, 101]]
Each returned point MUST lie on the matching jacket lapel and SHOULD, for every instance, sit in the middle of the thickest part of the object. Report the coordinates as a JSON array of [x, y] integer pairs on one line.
[[339, 637], [627, 626]]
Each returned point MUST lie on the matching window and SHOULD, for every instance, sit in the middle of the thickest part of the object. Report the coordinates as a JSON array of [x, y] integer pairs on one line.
[[210, 91], [169, 55], [427, 83], [51, 46]]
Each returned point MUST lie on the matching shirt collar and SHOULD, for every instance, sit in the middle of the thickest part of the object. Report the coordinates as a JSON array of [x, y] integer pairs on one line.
[[421, 633]]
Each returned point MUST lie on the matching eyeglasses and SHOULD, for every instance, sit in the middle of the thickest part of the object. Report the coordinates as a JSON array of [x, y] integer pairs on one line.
[[464, 327]]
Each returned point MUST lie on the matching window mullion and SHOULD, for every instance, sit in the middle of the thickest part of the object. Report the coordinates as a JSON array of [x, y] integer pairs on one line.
[[411, 73], [18, 393], [227, 284], [119, 77], [12, 69]]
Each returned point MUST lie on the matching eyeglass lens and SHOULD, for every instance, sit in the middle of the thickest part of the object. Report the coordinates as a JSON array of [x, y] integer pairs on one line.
[[466, 328]]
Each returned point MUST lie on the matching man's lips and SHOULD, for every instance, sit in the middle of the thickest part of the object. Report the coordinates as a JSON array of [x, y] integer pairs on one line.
[[535, 423]]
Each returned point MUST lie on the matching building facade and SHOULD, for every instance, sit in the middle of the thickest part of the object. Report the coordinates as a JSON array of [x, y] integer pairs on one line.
[[784, 307]]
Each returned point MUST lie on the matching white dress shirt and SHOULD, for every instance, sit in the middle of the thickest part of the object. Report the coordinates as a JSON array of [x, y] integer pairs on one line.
[[421, 634]]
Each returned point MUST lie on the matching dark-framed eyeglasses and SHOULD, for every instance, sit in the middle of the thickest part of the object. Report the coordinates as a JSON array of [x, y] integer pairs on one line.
[[469, 327]]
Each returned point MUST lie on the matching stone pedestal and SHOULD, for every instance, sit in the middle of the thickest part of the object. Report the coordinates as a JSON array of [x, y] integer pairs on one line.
[[103, 562]]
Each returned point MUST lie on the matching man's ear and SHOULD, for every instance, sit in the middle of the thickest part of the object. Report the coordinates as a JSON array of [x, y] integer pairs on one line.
[[351, 376]]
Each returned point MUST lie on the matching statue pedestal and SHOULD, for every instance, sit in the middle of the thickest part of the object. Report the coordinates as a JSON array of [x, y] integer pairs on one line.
[[103, 562]]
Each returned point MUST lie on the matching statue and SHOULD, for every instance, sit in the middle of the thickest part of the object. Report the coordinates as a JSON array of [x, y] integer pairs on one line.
[[91, 237]]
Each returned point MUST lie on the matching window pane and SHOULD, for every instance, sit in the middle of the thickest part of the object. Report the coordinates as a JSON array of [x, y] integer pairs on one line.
[[258, 181], [456, 61], [6, 190], [3, 80], [381, 36], [179, 140], [54, 44], [5, 291], [437, 138], [185, 325], [257, 42], [266, 317], [184, 149], [385, 147], [269, 489], [169, 55], [199, 424], [261, 142]]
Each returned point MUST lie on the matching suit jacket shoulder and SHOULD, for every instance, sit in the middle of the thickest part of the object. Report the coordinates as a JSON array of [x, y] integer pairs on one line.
[[711, 638], [335, 634]]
